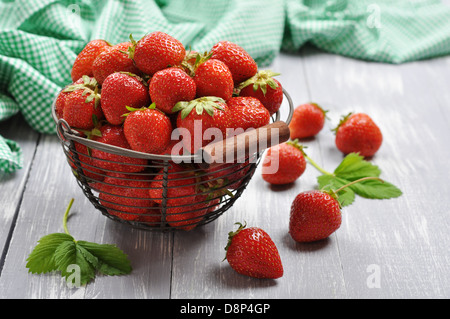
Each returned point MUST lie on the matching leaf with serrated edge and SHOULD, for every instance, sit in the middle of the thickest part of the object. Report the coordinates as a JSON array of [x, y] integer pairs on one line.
[[354, 167], [41, 259], [376, 189]]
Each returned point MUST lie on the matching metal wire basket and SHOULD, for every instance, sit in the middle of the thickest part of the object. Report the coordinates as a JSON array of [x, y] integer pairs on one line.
[[166, 192]]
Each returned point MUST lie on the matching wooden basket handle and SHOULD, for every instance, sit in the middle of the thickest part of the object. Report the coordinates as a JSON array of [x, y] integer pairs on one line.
[[242, 146]]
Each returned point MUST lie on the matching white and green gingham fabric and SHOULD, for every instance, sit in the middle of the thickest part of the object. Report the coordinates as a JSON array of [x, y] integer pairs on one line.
[[39, 39]]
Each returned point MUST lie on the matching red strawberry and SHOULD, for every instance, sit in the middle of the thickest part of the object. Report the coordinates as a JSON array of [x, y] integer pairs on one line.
[[113, 60], [251, 252], [61, 98], [265, 88], [114, 135], [82, 105], [358, 133], [228, 175], [283, 163], [157, 51], [315, 215], [240, 63], [169, 86], [120, 90], [86, 162], [188, 216], [213, 78], [147, 130], [126, 196], [307, 121], [85, 59], [247, 112], [198, 116]]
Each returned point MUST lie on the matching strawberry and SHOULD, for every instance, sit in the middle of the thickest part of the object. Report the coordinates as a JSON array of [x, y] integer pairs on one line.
[[85, 59], [358, 133], [228, 175], [213, 78], [251, 252], [314, 215], [156, 51], [120, 90], [241, 64], [198, 116], [307, 121], [126, 196], [188, 216], [86, 162], [113, 60], [247, 112], [62, 95], [283, 163], [147, 130], [169, 86], [114, 135], [82, 105], [265, 88]]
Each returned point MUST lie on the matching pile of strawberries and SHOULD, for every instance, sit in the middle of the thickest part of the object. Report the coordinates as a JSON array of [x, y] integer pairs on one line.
[[134, 95]]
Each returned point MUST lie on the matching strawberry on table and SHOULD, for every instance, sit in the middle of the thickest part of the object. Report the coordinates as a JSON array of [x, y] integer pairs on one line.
[[203, 113], [251, 252], [315, 215], [358, 133], [114, 135], [283, 163], [213, 78], [169, 86], [119, 90], [307, 121], [113, 60], [242, 66], [157, 51], [147, 130], [265, 88], [85, 59]]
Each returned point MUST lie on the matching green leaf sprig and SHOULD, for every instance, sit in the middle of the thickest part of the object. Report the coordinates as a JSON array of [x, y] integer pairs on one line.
[[354, 176], [59, 251]]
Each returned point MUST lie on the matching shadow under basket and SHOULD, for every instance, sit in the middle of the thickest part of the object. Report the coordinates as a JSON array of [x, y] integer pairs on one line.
[[168, 192]]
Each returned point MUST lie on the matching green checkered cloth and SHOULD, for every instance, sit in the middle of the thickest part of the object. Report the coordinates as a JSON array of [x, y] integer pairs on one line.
[[39, 39]]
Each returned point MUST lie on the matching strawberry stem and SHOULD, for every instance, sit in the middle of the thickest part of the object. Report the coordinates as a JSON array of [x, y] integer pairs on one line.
[[313, 163], [66, 215]]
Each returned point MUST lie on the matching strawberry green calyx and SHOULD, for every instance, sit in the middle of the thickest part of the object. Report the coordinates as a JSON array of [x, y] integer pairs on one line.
[[342, 121], [231, 234], [261, 80], [297, 145], [89, 87], [132, 109], [199, 59], [132, 48], [205, 103]]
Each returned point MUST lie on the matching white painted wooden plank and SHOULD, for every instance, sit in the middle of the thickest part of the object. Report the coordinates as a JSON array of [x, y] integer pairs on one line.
[[405, 238], [310, 271], [13, 184], [49, 189]]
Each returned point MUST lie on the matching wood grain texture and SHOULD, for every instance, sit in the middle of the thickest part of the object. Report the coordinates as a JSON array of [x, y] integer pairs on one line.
[[402, 242]]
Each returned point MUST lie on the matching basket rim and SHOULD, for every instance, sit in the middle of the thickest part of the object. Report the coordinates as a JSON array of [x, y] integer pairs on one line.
[[66, 134]]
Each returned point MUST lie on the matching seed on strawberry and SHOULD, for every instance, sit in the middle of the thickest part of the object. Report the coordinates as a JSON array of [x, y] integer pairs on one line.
[[307, 121], [213, 78], [283, 163], [85, 59], [61, 98], [247, 112], [115, 59], [114, 135], [242, 66], [265, 88], [147, 130], [315, 215], [157, 51], [251, 252], [120, 90], [170, 86], [358, 133]]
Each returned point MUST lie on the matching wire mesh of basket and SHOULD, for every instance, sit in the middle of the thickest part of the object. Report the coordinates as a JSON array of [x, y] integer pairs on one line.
[[163, 192]]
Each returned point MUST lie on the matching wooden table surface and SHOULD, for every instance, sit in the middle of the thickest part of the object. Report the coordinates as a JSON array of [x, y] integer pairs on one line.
[[396, 248]]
